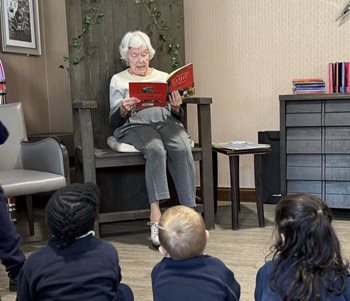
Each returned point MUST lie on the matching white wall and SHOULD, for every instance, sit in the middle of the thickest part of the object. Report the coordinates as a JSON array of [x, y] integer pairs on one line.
[[246, 53]]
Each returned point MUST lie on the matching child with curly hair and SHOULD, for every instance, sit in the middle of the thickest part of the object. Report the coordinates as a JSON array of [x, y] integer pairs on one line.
[[74, 265]]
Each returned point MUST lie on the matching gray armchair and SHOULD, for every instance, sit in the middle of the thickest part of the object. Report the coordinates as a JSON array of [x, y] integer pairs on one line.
[[27, 168]]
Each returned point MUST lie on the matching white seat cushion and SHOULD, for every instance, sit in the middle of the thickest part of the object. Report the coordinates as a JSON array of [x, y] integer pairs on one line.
[[117, 146], [17, 182]]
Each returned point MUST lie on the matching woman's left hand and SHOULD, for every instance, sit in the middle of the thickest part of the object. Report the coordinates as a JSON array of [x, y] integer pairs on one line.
[[175, 101]]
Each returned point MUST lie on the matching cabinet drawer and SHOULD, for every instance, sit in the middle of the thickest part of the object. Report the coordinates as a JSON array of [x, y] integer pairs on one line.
[[337, 168], [337, 133], [337, 187], [337, 200], [337, 140], [332, 119], [313, 133], [304, 173], [303, 146], [337, 161], [338, 174], [313, 187], [304, 160], [337, 106], [302, 119], [337, 146], [303, 106]]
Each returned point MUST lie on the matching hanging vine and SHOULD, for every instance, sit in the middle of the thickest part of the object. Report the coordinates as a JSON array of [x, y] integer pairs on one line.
[[94, 15], [167, 42]]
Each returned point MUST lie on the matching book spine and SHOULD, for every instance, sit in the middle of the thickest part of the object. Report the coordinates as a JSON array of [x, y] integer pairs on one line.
[[336, 71], [347, 76], [343, 83], [330, 78]]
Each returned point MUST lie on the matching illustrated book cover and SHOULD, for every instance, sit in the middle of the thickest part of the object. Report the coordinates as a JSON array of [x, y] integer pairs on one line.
[[154, 94], [182, 79], [151, 94]]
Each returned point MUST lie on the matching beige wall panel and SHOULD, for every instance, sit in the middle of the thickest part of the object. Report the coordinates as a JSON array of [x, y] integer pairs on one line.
[[58, 84], [246, 53], [37, 81]]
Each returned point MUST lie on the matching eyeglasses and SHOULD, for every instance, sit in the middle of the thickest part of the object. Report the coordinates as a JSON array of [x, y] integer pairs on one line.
[[134, 56]]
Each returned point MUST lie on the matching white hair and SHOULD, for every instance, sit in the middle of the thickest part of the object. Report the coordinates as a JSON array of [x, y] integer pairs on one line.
[[135, 39]]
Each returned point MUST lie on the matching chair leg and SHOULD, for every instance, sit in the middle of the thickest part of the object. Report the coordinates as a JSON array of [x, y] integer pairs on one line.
[[259, 189], [235, 201], [97, 227], [215, 179], [30, 214]]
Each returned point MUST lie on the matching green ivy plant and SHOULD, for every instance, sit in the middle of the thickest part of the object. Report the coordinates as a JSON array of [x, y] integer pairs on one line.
[[94, 15], [167, 42]]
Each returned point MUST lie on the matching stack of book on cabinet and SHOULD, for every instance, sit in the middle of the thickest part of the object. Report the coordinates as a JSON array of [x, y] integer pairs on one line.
[[309, 86], [339, 77]]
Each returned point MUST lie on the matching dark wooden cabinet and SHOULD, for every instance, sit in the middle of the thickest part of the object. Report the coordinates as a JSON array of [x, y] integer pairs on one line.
[[315, 146]]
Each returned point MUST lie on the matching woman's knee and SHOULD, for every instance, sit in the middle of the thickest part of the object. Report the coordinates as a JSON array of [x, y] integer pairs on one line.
[[181, 148], [156, 149]]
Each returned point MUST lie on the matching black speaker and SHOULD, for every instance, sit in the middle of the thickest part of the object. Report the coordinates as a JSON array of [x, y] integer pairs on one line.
[[271, 167]]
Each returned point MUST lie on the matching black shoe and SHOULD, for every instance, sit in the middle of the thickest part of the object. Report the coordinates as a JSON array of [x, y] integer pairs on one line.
[[13, 284]]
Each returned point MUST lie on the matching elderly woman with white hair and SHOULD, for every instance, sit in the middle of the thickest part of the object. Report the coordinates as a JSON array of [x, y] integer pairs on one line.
[[157, 132]]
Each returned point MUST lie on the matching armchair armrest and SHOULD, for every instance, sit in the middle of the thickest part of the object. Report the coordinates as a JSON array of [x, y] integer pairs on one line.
[[205, 142], [84, 111], [203, 119], [45, 155]]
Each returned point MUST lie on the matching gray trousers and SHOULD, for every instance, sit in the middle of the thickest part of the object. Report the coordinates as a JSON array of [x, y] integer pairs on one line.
[[164, 144]]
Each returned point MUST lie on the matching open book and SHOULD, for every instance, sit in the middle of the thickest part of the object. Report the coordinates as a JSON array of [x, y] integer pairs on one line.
[[154, 94]]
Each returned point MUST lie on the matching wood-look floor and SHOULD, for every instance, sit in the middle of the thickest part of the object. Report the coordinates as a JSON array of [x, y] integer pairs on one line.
[[243, 250]]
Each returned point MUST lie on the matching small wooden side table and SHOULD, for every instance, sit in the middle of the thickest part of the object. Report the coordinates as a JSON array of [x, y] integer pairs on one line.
[[234, 177]]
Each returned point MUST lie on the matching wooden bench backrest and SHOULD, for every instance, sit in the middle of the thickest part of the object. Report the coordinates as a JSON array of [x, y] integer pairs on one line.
[[90, 79]]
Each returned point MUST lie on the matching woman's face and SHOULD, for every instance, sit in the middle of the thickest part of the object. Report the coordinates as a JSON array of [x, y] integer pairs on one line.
[[138, 59]]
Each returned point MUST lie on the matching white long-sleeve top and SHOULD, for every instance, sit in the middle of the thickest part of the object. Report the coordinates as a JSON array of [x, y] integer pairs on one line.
[[119, 86]]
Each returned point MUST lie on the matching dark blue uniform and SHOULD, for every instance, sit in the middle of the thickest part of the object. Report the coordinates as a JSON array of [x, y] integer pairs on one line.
[[263, 291], [203, 278], [88, 269], [10, 254]]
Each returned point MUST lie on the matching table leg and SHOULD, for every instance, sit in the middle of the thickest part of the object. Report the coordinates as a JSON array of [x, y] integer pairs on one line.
[[259, 189], [234, 175], [215, 179]]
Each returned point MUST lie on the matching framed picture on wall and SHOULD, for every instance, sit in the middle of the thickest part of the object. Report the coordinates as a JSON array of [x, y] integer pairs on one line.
[[20, 32]]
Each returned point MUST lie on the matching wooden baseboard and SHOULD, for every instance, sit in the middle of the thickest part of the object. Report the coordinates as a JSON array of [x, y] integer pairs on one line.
[[245, 194]]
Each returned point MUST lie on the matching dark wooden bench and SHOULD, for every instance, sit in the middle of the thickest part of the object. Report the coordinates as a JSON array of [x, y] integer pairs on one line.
[[91, 158]]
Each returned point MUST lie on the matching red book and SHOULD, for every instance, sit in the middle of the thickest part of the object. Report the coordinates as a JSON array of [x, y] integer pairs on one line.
[[151, 94], [330, 77], [182, 79], [154, 94], [347, 76], [307, 80]]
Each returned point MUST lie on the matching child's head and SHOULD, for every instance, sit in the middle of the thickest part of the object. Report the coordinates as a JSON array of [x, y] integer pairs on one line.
[[182, 233], [303, 224], [307, 250], [72, 210]]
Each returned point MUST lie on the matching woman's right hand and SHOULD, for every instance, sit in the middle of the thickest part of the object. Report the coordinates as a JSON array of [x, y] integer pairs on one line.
[[127, 105]]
